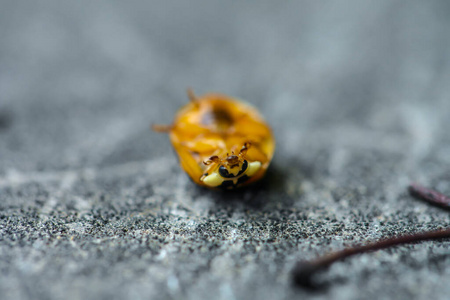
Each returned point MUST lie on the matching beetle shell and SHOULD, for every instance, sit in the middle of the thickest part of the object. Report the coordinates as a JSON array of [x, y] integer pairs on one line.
[[221, 142]]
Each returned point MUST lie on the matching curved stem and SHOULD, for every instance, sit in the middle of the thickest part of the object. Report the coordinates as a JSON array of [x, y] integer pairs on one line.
[[429, 195], [304, 271]]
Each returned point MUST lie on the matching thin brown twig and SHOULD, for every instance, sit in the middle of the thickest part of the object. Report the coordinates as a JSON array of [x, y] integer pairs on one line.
[[303, 272], [429, 195]]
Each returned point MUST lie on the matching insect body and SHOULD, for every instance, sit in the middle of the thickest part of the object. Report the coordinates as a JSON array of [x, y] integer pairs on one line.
[[221, 142]]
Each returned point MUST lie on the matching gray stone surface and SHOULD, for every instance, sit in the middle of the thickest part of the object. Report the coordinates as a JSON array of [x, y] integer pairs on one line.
[[94, 206]]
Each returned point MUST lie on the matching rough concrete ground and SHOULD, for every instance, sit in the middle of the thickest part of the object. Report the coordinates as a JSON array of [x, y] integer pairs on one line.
[[94, 206]]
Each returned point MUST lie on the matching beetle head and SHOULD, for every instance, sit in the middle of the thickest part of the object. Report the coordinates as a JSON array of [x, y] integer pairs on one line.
[[230, 171]]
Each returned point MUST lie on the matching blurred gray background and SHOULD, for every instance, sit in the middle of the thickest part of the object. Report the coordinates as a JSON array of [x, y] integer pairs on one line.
[[93, 204]]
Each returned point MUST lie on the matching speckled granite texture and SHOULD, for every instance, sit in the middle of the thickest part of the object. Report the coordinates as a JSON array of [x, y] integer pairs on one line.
[[94, 206]]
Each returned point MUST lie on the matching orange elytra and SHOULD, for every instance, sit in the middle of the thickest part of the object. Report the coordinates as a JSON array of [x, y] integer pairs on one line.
[[222, 143]]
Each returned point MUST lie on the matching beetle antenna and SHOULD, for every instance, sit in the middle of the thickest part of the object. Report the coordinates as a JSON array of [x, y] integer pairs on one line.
[[191, 95]]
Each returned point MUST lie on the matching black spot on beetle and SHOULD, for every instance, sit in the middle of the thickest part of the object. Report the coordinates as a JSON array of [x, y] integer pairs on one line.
[[217, 117], [243, 179], [227, 184], [244, 167], [225, 174]]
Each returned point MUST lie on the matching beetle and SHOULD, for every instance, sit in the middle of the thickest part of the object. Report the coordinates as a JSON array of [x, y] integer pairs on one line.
[[221, 142]]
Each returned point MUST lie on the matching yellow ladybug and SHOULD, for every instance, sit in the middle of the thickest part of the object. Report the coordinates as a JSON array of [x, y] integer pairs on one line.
[[221, 142]]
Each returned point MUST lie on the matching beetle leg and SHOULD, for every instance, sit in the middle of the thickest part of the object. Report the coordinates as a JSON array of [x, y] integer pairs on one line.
[[244, 149], [162, 128]]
